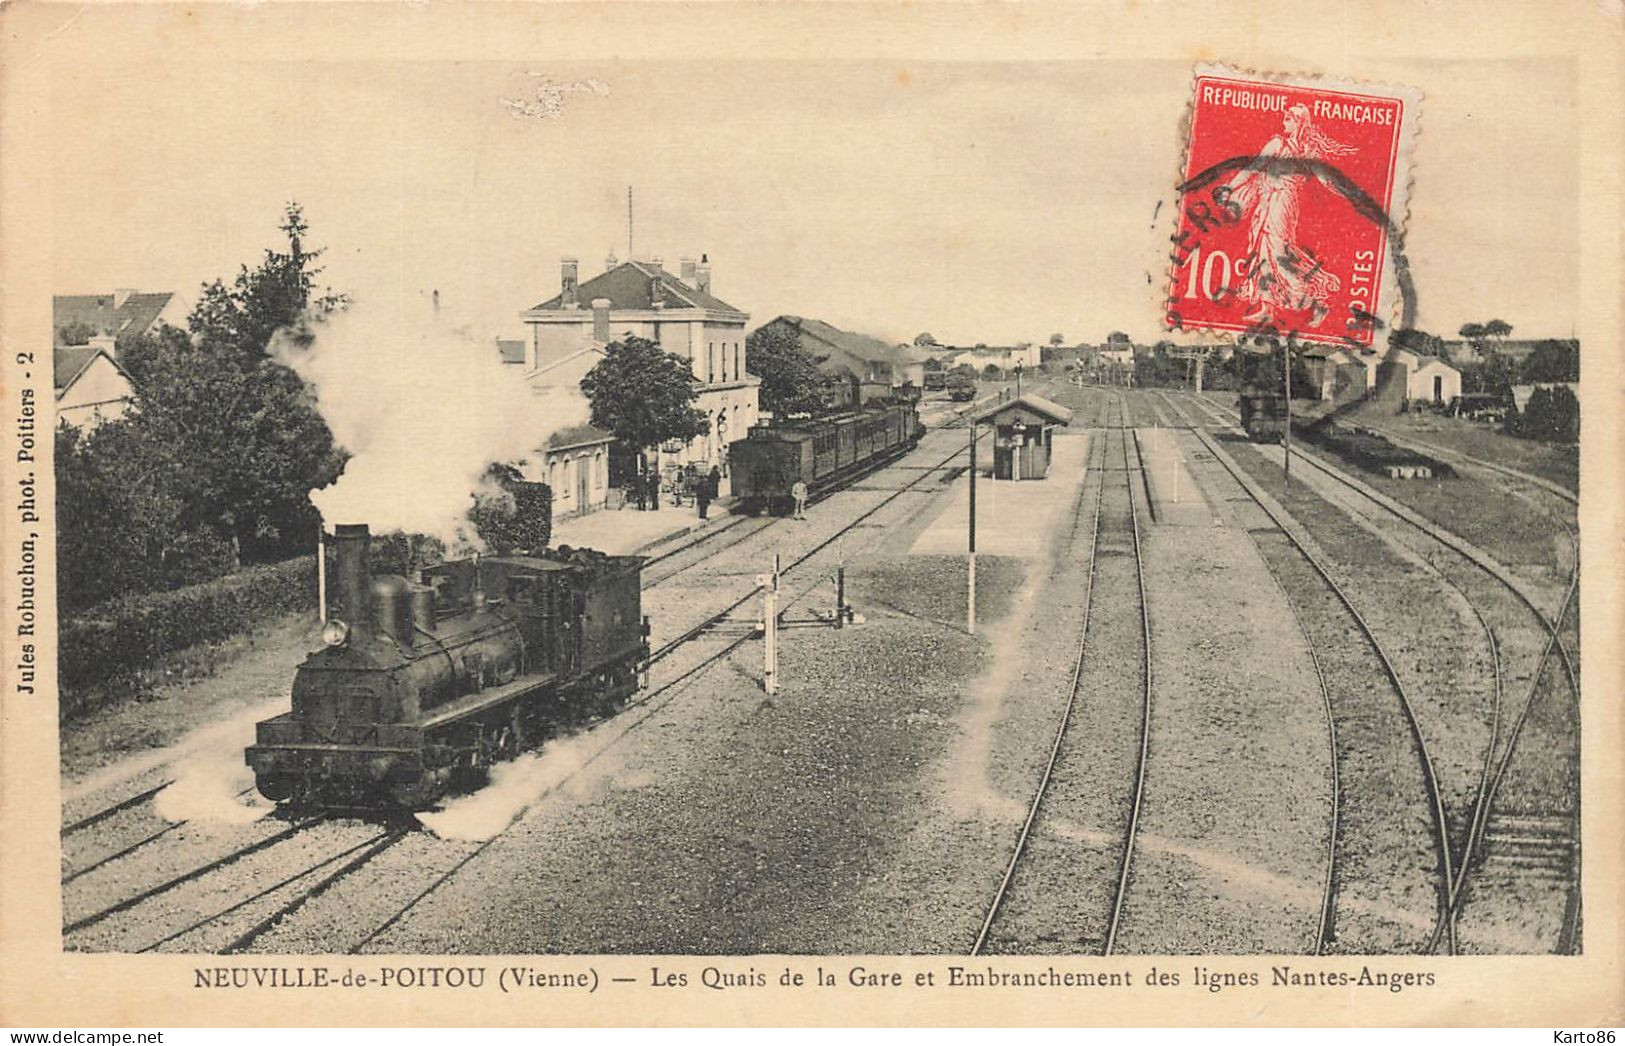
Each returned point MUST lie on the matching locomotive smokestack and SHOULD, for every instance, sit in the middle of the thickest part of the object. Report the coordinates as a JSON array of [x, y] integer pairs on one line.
[[354, 576]]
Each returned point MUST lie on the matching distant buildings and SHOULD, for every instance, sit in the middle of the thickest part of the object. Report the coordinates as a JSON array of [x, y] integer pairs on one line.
[[859, 367], [113, 315], [569, 332], [1004, 357], [1425, 378], [1337, 374], [90, 385]]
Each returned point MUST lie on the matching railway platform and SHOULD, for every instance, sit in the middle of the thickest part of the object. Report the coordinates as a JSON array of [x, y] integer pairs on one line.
[[627, 531], [1013, 517], [1176, 499]]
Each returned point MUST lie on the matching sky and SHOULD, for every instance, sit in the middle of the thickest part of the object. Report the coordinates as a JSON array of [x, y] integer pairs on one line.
[[982, 202]]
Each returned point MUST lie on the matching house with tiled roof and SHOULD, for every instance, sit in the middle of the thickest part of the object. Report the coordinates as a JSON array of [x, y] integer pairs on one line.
[[90, 385], [119, 313], [874, 366], [677, 312]]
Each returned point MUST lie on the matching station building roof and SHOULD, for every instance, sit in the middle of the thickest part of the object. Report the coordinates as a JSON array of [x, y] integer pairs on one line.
[[1031, 401]]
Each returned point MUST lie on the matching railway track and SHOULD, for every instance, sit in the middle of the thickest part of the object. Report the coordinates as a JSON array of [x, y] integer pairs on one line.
[[1521, 832], [1111, 652], [174, 882], [1522, 827], [1368, 718], [641, 710], [313, 881]]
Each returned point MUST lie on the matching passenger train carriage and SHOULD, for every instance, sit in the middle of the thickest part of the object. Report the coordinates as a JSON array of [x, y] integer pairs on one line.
[[824, 453]]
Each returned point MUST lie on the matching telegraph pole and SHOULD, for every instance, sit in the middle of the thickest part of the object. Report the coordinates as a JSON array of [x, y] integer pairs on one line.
[[970, 591]]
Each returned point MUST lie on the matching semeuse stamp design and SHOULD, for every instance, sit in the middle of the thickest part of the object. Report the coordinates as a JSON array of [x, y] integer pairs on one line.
[[1284, 209]]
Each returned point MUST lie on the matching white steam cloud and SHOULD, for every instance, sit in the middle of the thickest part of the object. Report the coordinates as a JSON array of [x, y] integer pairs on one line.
[[424, 406], [575, 764], [213, 788]]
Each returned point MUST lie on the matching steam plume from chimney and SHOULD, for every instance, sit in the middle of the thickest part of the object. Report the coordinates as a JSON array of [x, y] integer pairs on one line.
[[423, 407]]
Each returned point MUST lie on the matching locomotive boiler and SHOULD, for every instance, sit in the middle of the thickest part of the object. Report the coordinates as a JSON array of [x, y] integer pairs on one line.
[[420, 687]]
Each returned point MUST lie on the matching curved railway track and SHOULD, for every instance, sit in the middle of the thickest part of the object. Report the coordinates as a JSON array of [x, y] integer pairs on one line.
[[1542, 841], [1088, 667], [1355, 700]]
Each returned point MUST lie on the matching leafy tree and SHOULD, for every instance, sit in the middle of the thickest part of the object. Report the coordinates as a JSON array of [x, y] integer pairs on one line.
[[121, 506], [991, 371], [1473, 332], [1552, 361], [1057, 339], [1418, 341], [1551, 414], [248, 427], [216, 463], [1495, 375], [510, 513], [924, 339], [791, 380], [642, 395], [931, 363], [242, 318], [1497, 329], [76, 333]]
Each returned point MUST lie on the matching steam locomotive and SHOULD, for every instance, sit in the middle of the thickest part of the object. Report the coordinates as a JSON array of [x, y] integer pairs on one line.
[[823, 453], [421, 687], [1263, 413]]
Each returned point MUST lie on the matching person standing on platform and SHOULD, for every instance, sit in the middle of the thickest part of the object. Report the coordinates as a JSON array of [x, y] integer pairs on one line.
[[715, 479], [654, 490], [702, 494], [799, 492]]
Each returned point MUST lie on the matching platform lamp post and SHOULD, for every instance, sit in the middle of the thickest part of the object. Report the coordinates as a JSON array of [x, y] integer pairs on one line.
[[970, 577], [1286, 434]]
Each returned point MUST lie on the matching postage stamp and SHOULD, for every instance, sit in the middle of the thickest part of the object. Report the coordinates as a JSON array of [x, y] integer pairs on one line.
[[1291, 207]]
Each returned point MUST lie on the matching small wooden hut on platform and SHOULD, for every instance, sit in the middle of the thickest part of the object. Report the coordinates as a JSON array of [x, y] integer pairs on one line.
[[1023, 435]]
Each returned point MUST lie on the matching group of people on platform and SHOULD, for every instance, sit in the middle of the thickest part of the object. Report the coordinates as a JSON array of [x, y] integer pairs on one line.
[[685, 482]]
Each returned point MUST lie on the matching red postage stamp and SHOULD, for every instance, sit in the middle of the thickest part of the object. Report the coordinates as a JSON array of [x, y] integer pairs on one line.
[[1291, 207]]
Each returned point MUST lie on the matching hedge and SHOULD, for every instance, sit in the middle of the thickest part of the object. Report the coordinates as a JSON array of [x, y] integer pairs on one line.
[[123, 636]]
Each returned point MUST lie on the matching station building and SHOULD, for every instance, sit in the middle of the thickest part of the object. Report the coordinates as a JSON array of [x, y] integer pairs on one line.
[[569, 332]]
